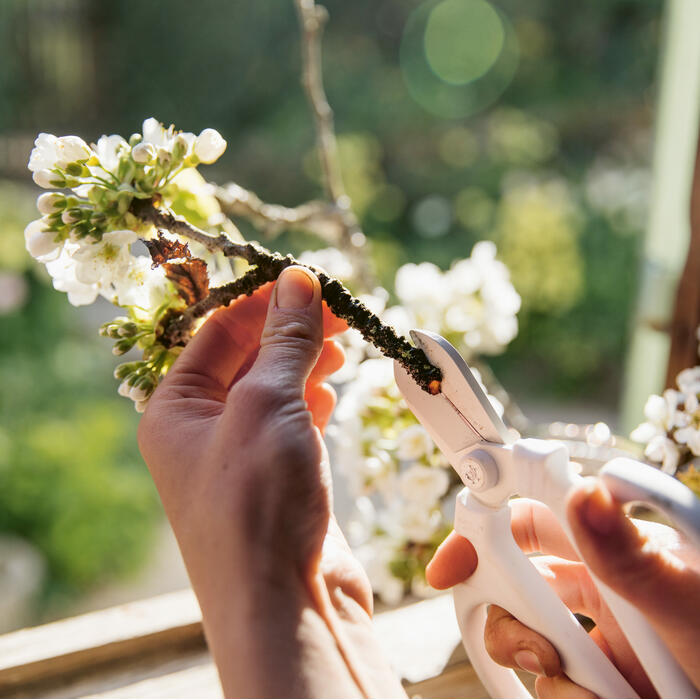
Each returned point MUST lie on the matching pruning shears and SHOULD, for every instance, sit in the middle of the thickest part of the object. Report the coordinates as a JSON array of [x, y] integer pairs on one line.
[[494, 467]]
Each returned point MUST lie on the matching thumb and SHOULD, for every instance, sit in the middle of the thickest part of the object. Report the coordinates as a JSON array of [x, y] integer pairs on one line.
[[651, 577], [292, 337]]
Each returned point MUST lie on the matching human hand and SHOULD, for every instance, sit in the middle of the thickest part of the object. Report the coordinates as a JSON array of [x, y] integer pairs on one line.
[[232, 437], [647, 563]]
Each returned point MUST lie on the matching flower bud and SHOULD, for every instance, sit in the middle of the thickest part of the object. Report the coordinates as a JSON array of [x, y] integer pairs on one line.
[[164, 156], [74, 169], [134, 139], [70, 216], [183, 146], [123, 370], [45, 179], [123, 345], [127, 329], [123, 202], [209, 146], [143, 153], [140, 406], [49, 202], [73, 149], [142, 389], [41, 242], [124, 389]]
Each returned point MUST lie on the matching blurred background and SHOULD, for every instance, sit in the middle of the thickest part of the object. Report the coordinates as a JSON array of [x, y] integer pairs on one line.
[[523, 123]]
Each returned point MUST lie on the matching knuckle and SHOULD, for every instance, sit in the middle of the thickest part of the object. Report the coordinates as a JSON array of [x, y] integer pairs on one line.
[[259, 396], [291, 329]]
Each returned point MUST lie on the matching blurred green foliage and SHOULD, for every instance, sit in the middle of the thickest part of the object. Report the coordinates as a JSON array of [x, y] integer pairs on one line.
[[71, 480], [426, 188]]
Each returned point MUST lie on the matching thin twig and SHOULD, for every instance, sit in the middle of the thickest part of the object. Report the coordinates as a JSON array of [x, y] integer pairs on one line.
[[312, 19], [268, 267], [320, 218]]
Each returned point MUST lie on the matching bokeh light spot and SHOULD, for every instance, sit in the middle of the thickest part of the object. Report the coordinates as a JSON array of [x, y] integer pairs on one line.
[[463, 40], [432, 216]]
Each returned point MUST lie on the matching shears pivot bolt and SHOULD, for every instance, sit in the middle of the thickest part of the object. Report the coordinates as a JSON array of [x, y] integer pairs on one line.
[[478, 471]]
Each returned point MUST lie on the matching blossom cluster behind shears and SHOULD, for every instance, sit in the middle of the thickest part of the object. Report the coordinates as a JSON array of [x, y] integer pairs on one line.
[[672, 429], [86, 231], [403, 487]]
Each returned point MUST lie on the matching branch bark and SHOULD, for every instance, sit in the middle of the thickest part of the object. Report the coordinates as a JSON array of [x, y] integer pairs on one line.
[[268, 267], [312, 19], [320, 218]]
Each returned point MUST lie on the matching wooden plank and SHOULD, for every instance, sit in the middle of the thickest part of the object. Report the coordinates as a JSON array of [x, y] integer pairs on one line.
[[67, 646], [419, 640], [198, 682], [155, 649]]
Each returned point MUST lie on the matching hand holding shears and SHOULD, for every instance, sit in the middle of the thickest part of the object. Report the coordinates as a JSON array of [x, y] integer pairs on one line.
[[465, 427]]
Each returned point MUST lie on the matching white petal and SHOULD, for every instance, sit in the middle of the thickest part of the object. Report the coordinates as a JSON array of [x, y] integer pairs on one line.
[[209, 146]]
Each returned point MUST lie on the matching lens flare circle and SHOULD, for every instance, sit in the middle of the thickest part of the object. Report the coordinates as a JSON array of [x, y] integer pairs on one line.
[[463, 40], [445, 69]]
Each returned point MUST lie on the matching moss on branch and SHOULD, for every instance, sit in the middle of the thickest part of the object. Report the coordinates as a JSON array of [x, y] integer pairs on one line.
[[267, 267]]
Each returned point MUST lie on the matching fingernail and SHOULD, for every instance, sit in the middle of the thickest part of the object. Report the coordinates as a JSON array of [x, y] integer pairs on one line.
[[294, 289], [599, 510], [528, 661]]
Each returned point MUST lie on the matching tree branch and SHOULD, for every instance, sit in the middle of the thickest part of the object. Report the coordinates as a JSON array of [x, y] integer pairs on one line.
[[268, 267], [320, 218], [312, 19]]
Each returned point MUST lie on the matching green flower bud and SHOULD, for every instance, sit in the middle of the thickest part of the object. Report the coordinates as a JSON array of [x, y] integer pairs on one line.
[[128, 329], [74, 169], [123, 202], [123, 370], [123, 345]]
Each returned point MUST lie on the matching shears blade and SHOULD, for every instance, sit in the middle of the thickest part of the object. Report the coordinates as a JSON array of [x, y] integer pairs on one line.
[[461, 414]]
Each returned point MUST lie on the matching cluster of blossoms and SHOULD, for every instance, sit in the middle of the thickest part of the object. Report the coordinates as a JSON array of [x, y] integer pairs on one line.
[[672, 429], [403, 487], [89, 235], [473, 304], [87, 231]]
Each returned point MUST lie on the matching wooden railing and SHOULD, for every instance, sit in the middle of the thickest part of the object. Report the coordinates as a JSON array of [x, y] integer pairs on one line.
[[155, 648]]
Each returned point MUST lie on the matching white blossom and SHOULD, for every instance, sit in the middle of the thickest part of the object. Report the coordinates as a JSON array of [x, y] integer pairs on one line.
[[663, 450], [143, 153], [424, 485], [45, 179], [105, 261], [689, 436], [141, 286], [44, 154], [331, 260], [51, 152], [72, 149], [209, 146], [109, 150], [62, 270], [46, 202], [645, 432], [689, 381], [40, 242], [376, 558], [156, 134], [414, 443], [417, 523]]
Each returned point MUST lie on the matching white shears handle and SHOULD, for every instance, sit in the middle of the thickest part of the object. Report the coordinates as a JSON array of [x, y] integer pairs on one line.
[[505, 577]]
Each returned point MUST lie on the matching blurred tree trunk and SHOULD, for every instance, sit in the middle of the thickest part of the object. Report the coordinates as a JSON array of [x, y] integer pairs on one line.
[[686, 313]]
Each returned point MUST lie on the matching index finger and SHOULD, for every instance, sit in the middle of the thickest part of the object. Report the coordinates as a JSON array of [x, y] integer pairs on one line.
[[536, 529]]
